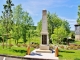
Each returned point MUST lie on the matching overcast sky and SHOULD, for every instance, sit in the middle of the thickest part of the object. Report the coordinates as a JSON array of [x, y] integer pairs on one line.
[[65, 9]]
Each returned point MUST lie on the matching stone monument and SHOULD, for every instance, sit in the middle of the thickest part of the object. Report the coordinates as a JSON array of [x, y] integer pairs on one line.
[[43, 53], [44, 33]]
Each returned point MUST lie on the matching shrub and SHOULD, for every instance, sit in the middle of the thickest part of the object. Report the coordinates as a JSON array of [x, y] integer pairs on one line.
[[70, 47], [62, 47], [24, 45], [18, 45], [75, 47], [51, 47], [78, 46], [34, 45], [11, 45]]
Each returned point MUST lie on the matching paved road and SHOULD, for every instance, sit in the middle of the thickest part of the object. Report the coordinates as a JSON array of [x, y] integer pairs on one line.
[[9, 58], [1, 58]]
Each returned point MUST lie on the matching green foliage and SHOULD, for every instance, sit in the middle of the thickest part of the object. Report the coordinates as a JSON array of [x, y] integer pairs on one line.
[[26, 24], [7, 17], [1, 30], [23, 23], [39, 26], [78, 20], [53, 22], [72, 34], [66, 25], [59, 34]]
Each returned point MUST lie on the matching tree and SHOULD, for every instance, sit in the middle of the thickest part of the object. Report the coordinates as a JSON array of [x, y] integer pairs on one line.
[[78, 20], [59, 34], [7, 17], [22, 24], [17, 15], [26, 24], [66, 25], [53, 22], [39, 27]]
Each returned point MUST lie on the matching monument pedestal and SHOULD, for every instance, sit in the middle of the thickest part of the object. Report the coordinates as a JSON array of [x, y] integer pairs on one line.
[[44, 47], [43, 51]]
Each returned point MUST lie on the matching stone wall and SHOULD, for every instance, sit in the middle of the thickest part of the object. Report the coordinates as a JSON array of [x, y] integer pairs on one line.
[[77, 32], [77, 37]]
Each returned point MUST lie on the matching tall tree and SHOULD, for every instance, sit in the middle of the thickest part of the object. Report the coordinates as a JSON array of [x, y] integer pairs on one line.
[[53, 22], [17, 15], [39, 27], [23, 23], [66, 25], [26, 24], [59, 34], [78, 20], [7, 17]]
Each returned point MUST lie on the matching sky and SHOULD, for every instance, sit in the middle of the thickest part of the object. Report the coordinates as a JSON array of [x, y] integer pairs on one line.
[[65, 9]]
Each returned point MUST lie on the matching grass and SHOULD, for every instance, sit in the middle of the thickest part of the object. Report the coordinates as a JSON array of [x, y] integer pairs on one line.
[[34, 39], [22, 51], [14, 51], [69, 54], [17, 51], [77, 42]]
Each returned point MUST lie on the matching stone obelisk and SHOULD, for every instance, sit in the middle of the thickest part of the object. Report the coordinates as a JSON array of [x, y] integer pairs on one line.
[[44, 33]]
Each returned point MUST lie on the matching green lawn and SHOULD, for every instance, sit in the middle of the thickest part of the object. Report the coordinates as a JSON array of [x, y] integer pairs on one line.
[[22, 51], [77, 42], [69, 54], [17, 51], [14, 51]]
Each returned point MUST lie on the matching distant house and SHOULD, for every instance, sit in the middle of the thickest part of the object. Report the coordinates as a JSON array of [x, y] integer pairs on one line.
[[77, 32]]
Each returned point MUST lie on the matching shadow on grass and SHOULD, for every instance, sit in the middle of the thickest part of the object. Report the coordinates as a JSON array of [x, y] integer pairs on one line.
[[60, 55], [20, 51], [77, 59], [67, 51]]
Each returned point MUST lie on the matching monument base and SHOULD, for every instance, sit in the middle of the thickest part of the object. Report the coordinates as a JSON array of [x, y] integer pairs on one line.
[[43, 51], [41, 56], [44, 47]]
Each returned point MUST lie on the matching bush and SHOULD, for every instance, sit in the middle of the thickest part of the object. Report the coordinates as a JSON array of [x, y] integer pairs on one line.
[[24, 45], [70, 47], [75, 47], [1, 39], [34, 45], [51, 47], [62, 47], [11, 45], [18, 45], [78, 46]]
